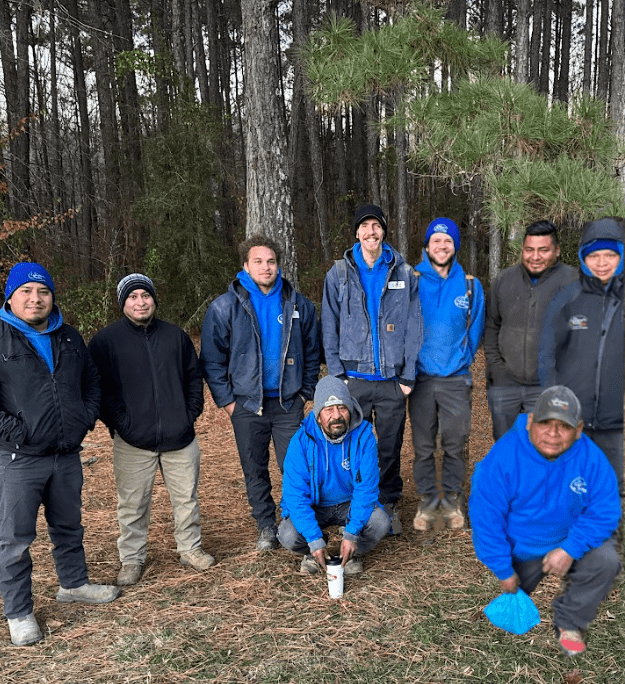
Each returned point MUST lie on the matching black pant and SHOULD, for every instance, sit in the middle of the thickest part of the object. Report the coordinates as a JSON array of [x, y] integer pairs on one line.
[[253, 433], [384, 404]]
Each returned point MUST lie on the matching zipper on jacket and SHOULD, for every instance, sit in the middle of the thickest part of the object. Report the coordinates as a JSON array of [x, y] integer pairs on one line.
[[285, 349], [159, 425]]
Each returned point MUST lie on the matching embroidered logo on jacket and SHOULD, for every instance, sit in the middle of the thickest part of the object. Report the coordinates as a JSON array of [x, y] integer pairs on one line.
[[578, 322], [579, 485], [462, 302]]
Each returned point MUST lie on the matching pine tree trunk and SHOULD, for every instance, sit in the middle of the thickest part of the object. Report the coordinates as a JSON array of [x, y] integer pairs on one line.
[[268, 193]]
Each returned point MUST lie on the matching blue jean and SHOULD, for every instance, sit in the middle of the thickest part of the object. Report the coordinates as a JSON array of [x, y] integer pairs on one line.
[[444, 402], [27, 482], [376, 528], [384, 404], [505, 402], [253, 433], [589, 581]]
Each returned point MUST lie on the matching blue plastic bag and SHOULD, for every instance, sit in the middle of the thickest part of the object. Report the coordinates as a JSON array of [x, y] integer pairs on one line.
[[516, 613]]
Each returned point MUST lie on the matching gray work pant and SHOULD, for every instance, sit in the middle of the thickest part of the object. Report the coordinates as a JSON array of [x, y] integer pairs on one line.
[[611, 443], [505, 402], [135, 472], [376, 528], [588, 582], [446, 403]]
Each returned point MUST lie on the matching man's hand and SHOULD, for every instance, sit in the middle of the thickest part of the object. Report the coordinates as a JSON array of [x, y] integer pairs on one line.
[[229, 408], [557, 562], [320, 556], [510, 585], [348, 549], [405, 389]]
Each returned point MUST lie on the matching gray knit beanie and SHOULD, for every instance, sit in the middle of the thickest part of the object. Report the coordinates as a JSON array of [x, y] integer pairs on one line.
[[134, 281], [332, 391]]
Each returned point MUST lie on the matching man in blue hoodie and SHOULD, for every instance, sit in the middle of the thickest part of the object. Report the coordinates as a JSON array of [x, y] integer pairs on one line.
[[331, 477], [544, 501], [581, 345], [371, 323], [260, 357], [452, 304], [49, 399]]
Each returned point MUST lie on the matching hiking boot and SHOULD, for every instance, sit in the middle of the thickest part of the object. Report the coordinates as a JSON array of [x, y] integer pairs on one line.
[[89, 593], [353, 566], [267, 539], [24, 630], [198, 559], [309, 566], [453, 513], [571, 641], [392, 510], [130, 573], [426, 513]]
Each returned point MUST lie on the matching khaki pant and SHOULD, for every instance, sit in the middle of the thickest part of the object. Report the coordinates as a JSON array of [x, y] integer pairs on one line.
[[135, 470]]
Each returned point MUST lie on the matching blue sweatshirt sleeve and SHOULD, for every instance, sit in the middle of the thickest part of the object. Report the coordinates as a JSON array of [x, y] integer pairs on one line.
[[488, 511], [601, 516], [478, 313], [297, 491]]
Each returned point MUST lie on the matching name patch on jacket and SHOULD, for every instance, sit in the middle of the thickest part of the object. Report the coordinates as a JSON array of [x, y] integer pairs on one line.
[[578, 322], [396, 285], [579, 485]]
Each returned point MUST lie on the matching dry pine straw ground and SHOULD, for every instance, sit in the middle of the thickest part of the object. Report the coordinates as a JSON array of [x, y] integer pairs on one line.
[[252, 614]]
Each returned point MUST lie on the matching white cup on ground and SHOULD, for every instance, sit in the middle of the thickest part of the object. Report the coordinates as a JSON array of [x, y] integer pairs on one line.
[[334, 571]]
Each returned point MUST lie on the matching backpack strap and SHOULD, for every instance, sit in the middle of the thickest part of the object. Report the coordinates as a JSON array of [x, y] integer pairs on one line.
[[341, 269]]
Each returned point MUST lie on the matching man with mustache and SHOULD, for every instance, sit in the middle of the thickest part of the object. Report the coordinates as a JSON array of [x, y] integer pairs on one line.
[[331, 477]]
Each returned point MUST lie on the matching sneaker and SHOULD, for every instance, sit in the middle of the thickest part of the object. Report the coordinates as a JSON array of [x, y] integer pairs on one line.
[[453, 515], [309, 566], [129, 574], [24, 630], [571, 641], [426, 513], [198, 559], [267, 539], [89, 593], [392, 510], [353, 566]]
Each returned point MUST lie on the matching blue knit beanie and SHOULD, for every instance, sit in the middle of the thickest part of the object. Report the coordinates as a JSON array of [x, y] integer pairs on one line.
[[27, 272], [596, 245], [444, 225]]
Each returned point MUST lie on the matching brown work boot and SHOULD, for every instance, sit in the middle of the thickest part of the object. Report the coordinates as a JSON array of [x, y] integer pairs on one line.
[[130, 573], [453, 513], [426, 513]]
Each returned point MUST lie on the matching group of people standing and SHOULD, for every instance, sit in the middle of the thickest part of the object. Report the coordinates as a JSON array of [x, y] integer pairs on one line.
[[387, 332]]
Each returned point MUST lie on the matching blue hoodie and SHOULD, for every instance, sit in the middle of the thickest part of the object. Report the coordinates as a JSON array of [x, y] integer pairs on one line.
[[448, 347], [318, 472], [522, 505], [268, 308]]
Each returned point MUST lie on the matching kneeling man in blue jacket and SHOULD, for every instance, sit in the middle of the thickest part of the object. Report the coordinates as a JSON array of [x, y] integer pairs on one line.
[[331, 477], [544, 501]]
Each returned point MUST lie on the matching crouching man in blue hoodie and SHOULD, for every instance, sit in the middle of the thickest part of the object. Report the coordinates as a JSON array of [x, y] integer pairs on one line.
[[331, 477], [544, 501]]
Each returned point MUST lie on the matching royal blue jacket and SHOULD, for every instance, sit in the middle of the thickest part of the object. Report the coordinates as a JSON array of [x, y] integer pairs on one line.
[[449, 345], [303, 484], [581, 345], [522, 505], [231, 355], [347, 328]]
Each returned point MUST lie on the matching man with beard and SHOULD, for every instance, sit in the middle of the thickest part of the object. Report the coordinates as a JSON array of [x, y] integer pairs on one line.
[[372, 329], [452, 305], [331, 477], [515, 311]]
